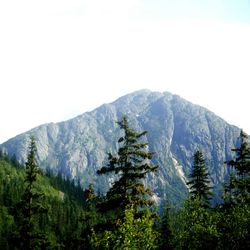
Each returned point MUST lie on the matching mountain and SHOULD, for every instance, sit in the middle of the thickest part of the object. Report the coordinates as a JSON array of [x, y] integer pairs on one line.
[[176, 128]]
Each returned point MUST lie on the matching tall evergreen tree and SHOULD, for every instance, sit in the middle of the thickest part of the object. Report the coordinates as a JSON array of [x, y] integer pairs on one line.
[[199, 181], [234, 221], [30, 208], [166, 232], [130, 166], [240, 180]]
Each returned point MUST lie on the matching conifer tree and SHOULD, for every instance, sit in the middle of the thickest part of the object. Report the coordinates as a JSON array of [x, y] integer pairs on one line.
[[166, 233], [240, 180], [130, 166], [199, 183], [30, 208], [1, 154], [235, 212]]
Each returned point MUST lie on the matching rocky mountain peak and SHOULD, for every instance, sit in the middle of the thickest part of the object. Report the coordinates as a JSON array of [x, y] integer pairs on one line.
[[176, 128]]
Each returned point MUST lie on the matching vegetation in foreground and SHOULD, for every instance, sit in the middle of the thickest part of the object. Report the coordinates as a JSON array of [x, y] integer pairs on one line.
[[42, 211]]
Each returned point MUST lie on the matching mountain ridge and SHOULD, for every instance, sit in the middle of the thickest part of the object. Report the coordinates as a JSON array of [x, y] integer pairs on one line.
[[176, 128]]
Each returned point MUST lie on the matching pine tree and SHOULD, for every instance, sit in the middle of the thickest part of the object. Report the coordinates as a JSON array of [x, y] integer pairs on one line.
[[199, 183], [130, 166], [166, 232], [1, 154], [30, 209], [234, 220], [240, 180], [89, 218]]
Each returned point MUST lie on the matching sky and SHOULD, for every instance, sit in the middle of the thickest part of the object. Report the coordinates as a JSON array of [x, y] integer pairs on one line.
[[61, 58]]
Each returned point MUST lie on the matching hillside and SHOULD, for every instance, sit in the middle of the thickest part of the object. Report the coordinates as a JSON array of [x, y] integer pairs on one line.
[[62, 200], [176, 128]]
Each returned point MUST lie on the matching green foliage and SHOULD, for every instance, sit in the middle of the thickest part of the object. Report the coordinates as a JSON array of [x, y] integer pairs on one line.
[[130, 167], [6, 225], [234, 226], [51, 212], [196, 227], [199, 183], [90, 218], [234, 221], [132, 233], [166, 230], [31, 206], [65, 185], [58, 228], [239, 184]]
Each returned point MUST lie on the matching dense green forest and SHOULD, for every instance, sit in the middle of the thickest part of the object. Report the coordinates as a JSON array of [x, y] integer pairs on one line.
[[45, 211]]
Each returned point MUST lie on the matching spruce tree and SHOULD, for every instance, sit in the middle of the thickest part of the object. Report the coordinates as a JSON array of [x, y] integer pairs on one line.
[[240, 179], [130, 166], [234, 213], [166, 232], [199, 181], [30, 209]]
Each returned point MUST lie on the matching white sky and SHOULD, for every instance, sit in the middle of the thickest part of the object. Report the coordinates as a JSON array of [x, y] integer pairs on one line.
[[60, 58]]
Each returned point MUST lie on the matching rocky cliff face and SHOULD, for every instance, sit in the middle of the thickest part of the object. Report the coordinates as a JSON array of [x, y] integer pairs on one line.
[[176, 128]]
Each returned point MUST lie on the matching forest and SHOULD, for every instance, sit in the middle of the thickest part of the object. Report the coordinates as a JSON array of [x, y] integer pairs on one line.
[[46, 210]]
